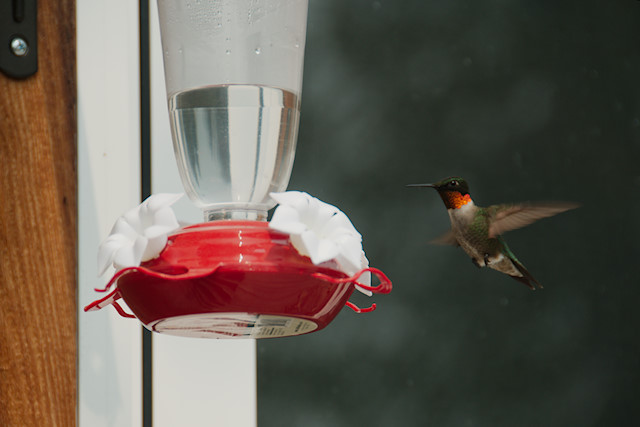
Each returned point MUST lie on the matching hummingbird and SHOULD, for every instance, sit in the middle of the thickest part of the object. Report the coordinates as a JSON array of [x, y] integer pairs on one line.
[[478, 231]]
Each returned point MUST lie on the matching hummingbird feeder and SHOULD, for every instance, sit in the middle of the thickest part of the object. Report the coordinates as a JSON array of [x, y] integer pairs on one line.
[[234, 78]]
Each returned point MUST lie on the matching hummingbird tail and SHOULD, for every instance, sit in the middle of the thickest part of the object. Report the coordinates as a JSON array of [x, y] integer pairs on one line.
[[526, 277]]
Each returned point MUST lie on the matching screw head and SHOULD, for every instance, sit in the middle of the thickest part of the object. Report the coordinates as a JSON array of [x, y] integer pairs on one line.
[[19, 46]]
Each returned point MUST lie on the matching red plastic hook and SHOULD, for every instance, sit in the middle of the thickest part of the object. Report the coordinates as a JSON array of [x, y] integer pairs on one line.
[[358, 310], [384, 287], [111, 299]]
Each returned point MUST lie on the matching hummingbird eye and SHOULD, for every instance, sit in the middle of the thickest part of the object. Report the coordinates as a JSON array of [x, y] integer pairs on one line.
[[453, 183]]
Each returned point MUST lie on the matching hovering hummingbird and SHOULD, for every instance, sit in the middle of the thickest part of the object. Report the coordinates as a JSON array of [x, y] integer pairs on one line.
[[479, 230]]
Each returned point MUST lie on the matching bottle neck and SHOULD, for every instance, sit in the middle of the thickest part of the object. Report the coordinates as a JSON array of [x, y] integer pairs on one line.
[[235, 214]]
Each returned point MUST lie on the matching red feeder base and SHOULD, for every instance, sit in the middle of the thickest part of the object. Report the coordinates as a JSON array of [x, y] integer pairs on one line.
[[233, 279]]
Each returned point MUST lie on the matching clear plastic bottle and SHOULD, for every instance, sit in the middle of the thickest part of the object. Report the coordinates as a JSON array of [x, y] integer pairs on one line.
[[233, 72]]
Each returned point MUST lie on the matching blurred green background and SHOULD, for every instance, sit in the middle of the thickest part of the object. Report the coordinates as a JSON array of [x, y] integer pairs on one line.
[[528, 100]]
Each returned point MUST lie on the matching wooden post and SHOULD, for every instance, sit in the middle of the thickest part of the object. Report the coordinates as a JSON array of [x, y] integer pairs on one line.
[[38, 231]]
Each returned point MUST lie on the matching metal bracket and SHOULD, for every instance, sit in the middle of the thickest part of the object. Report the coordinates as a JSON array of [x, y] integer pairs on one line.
[[18, 38]]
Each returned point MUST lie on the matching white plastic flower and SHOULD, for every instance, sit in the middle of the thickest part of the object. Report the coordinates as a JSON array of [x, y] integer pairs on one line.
[[140, 234], [320, 231]]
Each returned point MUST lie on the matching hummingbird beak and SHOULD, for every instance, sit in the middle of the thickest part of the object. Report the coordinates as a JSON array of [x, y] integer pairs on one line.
[[421, 185]]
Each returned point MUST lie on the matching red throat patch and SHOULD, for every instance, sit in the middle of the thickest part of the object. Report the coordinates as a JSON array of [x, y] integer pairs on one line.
[[454, 199]]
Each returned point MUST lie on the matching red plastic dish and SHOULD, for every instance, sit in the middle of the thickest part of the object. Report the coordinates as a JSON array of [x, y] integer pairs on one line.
[[233, 279]]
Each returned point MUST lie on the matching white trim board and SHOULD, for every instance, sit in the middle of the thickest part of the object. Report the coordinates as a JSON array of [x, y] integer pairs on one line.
[[109, 347]]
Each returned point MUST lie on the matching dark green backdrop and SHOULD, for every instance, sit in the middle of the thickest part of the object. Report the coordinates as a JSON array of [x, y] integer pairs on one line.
[[528, 100]]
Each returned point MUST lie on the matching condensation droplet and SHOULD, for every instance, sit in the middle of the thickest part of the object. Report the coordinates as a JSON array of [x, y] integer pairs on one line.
[[228, 52], [258, 51]]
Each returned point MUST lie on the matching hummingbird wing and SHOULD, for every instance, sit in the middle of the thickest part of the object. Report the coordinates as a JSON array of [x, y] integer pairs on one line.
[[504, 218], [447, 238]]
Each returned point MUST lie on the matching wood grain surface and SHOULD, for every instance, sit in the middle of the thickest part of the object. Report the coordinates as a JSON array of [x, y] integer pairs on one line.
[[38, 231]]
